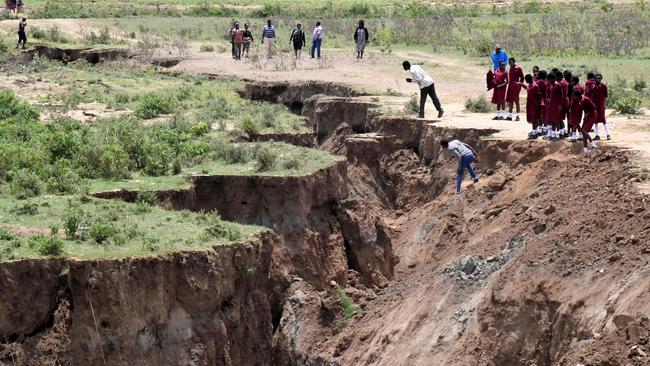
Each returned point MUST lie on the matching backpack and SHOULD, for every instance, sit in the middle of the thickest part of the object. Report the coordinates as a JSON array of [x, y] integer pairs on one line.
[[297, 35]]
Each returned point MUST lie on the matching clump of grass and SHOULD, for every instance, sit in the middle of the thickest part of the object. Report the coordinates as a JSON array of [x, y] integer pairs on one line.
[[206, 48], [235, 153], [292, 163], [6, 235], [265, 159], [219, 229], [25, 209], [479, 104], [630, 103], [349, 307], [153, 105], [412, 106], [249, 126], [147, 198], [100, 232]]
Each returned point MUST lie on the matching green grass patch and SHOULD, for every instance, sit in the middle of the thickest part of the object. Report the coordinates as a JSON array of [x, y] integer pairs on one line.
[[95, 228]]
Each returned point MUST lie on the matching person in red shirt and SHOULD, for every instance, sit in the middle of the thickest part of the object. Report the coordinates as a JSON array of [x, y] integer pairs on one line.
[[542, 83], [564, 85], [515, 78], [237, 37], [588, 84], [533, 104], [499, 94], [586, 106], [535, 72], [555, 107], [573, 117], [599, 95]]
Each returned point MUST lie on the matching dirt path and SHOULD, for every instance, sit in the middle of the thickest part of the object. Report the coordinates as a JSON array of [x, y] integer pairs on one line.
[[73, 28]]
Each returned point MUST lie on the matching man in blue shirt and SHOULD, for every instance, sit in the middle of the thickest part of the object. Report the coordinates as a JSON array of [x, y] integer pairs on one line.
[[268, 36], [498, 56]]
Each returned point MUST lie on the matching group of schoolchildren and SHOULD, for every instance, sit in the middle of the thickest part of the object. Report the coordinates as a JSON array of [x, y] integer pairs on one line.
[[557, 105]]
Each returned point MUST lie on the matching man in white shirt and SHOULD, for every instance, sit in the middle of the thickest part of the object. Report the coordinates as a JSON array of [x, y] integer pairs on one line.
[[316, 40], [465, 155], [426, 85]]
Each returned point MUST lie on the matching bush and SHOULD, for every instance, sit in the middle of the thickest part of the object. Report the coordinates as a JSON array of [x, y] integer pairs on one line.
[[412, 106], [62, 178], [12, 107], [235, 153], [114, 163], [27, 209], [6, 235], [25, 184], [74, 219], [349, 307], [629, 103], [265, 158], [478, 105], [217, 228], [639, 85], [147, 198], [206, 48], [292, 163], [48, 245], [249, 126], [200, 129], [100, 232], [153, 105]]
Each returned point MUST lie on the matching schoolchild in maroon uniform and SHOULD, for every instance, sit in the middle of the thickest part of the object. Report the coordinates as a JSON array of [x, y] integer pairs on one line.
[[564, 85], [586, 106], [515, 78], [499, 94], [588, 84], [534, 102], [542, 83], [555, 107], [535, 72], [599, 96], [574, 116]]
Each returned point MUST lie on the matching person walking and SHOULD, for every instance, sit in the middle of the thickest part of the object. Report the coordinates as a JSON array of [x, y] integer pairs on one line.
[[232, 44], [237, 40], [22, 35], [499, 55], [268, 37], [248, 39], [361, 37], [316, 40], [426, 85], [298, 40], [465, 155]]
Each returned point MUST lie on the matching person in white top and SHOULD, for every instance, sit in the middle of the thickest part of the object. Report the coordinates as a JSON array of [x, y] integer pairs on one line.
[[427, 87], [316, 40], [465, 155]]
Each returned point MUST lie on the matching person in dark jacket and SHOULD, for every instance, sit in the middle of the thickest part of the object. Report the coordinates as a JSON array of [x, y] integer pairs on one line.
[[361, 37], [297, 39], [22, 35]]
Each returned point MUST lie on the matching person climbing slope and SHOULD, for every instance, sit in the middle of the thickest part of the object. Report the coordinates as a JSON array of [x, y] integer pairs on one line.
[[465, 155]]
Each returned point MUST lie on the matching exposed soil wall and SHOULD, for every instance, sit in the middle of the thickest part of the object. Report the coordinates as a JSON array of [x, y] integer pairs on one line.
[[91, 55], [202, 308]]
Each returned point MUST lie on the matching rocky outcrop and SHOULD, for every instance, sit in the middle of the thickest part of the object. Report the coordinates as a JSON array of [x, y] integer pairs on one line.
[[206, 307]]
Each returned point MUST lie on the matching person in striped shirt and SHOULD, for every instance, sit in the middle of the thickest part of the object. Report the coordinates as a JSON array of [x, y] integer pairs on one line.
[[465, 155], [268, 37]]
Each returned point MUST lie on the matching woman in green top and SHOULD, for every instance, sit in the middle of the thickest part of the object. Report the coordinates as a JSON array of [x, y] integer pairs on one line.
[[298, 39]]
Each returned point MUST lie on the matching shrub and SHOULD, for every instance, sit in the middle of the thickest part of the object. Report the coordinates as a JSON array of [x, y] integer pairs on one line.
[[48, 245], [249, 126], [206, 48], [12, 107], [349, 307], [100, 232], [104, 37], [629, 103], [292, 163], [147, 198], [25, 184], [26, 208], [412, 105], [265, 158], [153, 105], [114, 162], [200, 129], [62, 178], [477, 105], [639, 85], [74, 219], [235, 153], [6, 235], [157, 158], [217, 228]]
